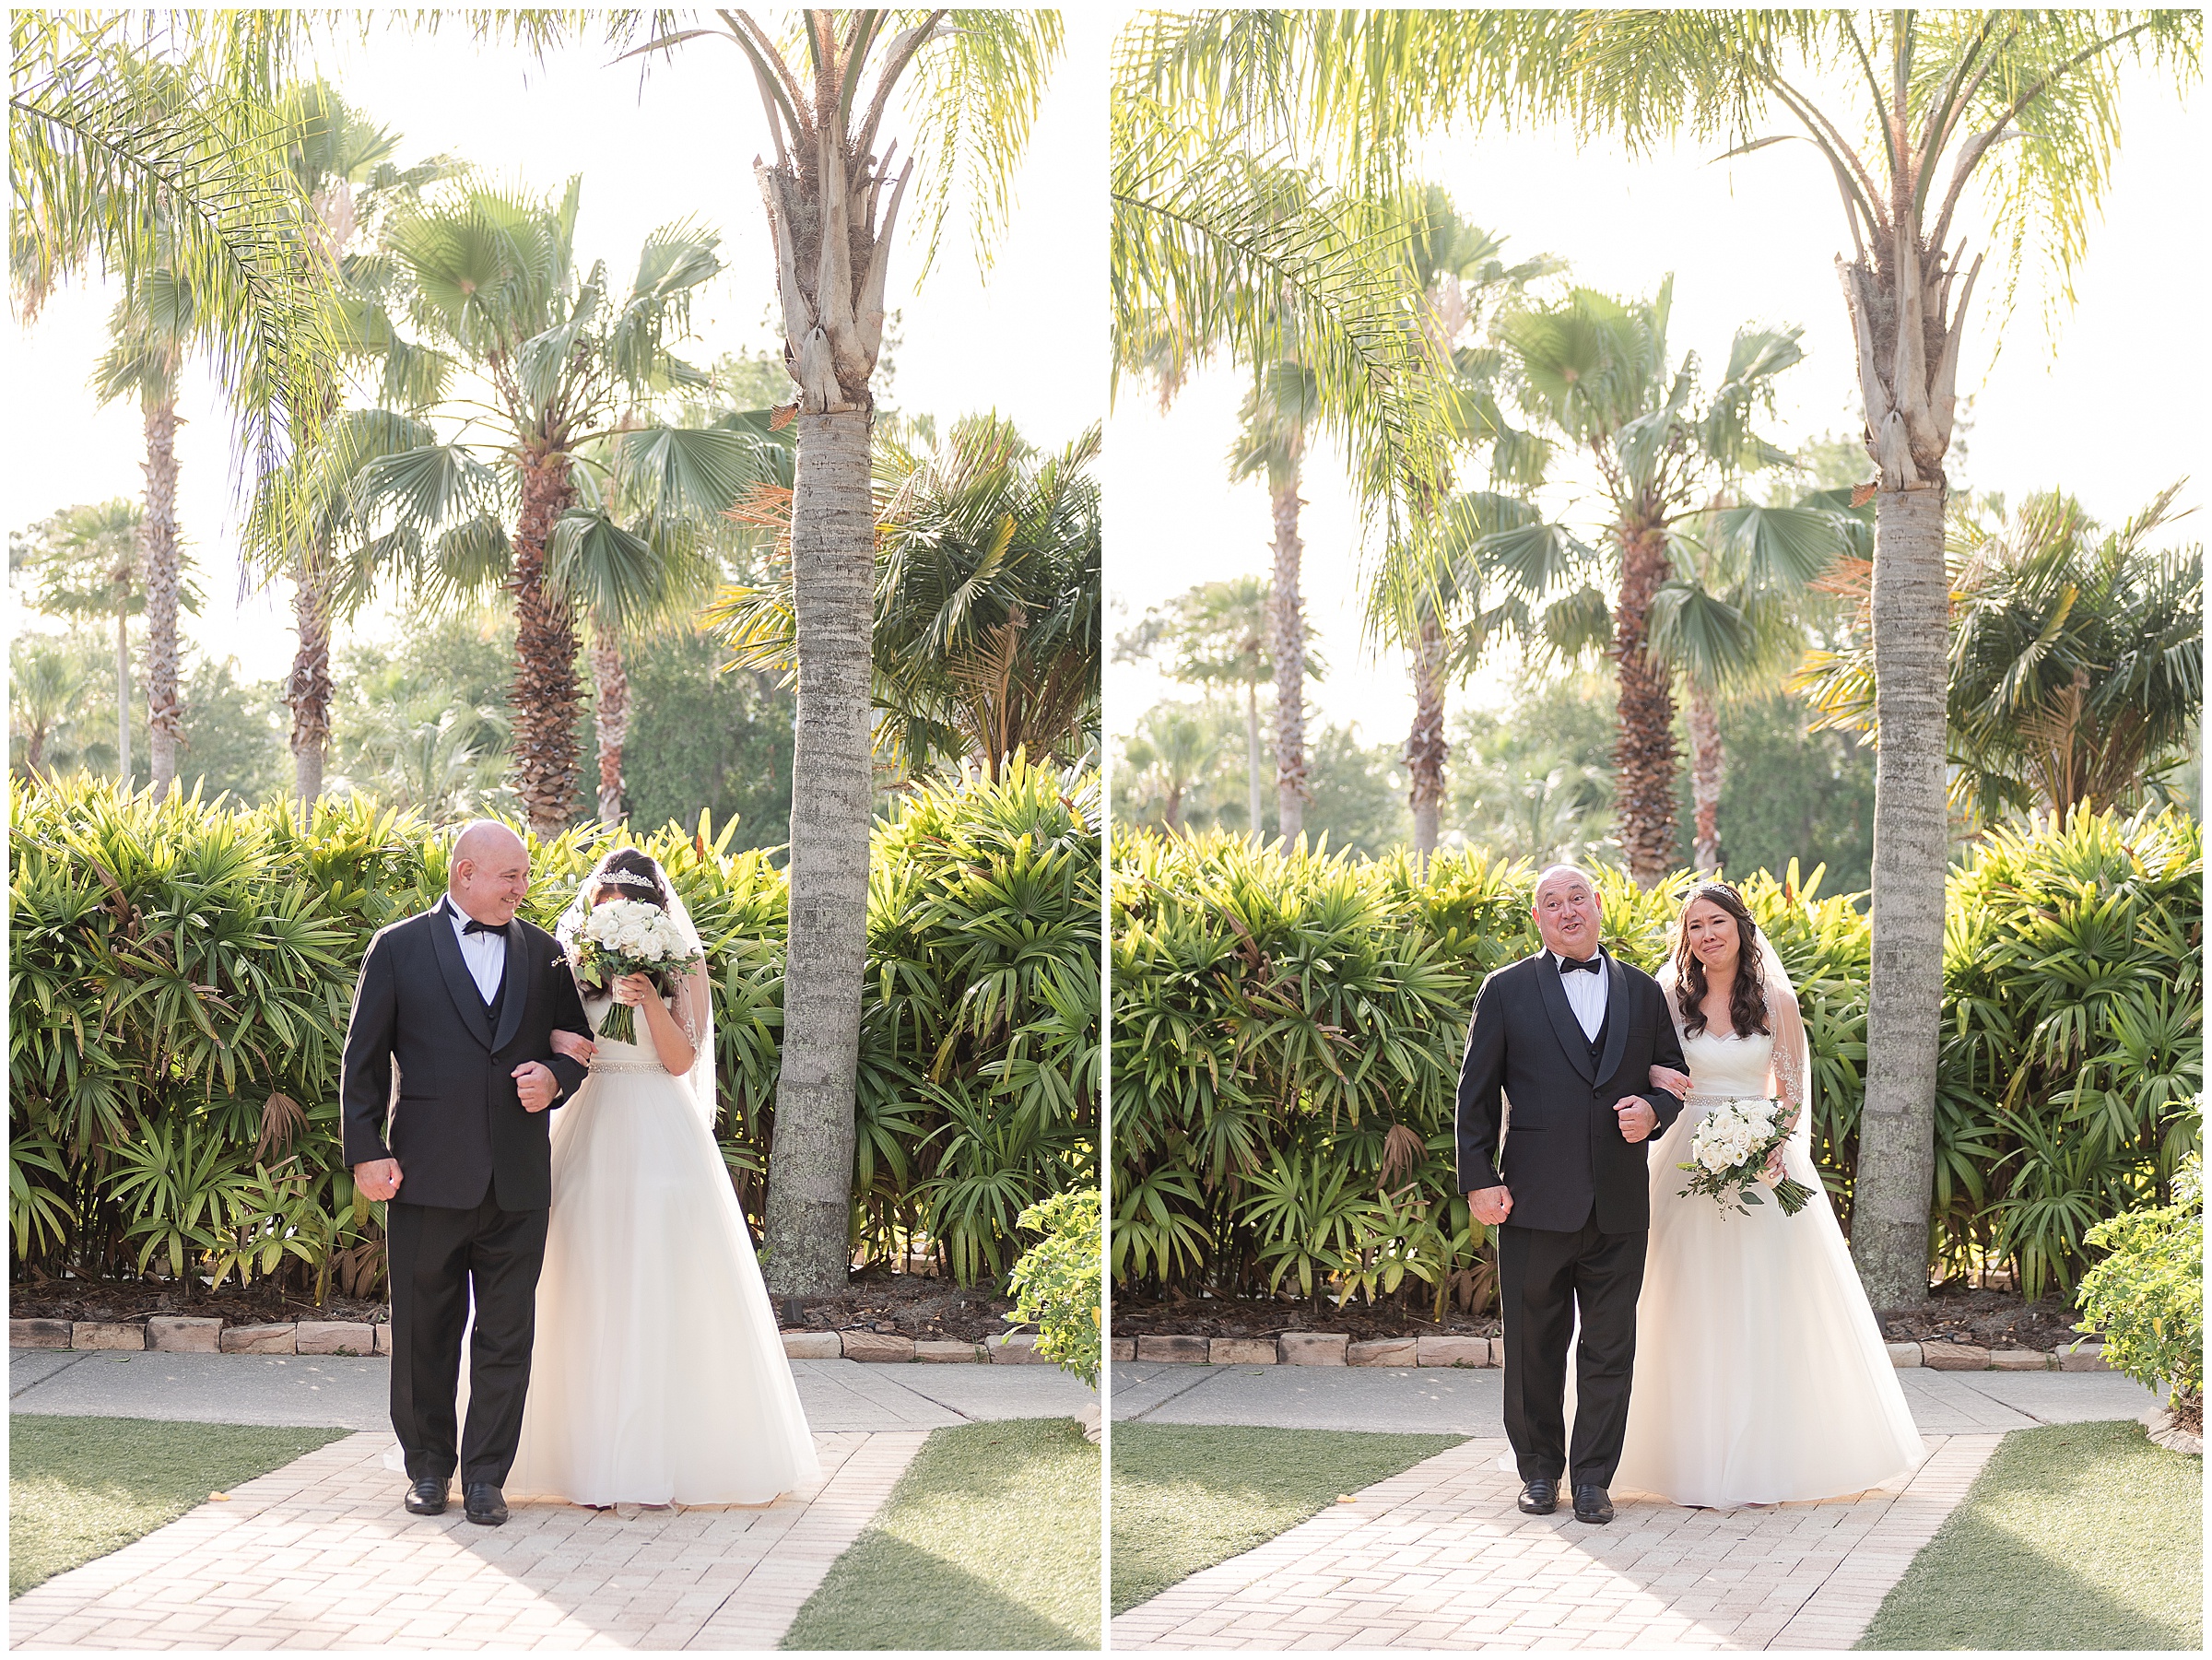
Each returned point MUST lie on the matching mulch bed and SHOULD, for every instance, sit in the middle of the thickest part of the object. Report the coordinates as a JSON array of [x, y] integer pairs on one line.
[[909, 1305], [1139, 1316], [1986, 1318], [125, 1299]]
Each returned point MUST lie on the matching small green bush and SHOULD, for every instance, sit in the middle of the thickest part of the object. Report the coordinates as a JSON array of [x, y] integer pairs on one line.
[[1058, 1282], [2148, 1296]]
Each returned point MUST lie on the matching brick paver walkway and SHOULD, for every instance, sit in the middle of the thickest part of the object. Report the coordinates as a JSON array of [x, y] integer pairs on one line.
[[1439, 1557], [319, 1554]]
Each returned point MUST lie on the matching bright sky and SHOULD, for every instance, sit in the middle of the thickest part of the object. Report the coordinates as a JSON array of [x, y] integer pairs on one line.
[[1031, 341], [2112, 410]]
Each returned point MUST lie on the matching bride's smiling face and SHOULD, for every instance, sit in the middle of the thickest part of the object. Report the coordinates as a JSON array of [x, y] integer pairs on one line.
[[1711, 933]]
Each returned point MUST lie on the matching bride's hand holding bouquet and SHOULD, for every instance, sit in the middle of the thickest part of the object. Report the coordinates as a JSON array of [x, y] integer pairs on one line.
[[1737, 1146], [622, 943]]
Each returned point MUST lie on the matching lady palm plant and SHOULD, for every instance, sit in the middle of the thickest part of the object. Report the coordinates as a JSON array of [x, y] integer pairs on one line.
[[491, 278]]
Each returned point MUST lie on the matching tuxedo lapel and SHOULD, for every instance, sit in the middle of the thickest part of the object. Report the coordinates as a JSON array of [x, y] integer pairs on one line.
[[1616, 1019], [468, 1003], [1570, 1030], [518, 990]]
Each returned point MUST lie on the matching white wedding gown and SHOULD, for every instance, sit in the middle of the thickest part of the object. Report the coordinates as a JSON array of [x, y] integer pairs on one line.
[[658, 1374], [1760, 1374]]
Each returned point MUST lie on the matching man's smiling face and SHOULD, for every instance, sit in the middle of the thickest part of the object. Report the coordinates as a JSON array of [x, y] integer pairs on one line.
[[1566, 912]]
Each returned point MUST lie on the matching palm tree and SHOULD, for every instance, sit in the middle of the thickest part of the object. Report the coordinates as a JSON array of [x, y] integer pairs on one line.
[[2076, 657], [44, 685], [974, 81], [1273, 428], [1594, 373], [1731, 617], [1170, 754], [985, 637], [147, 147], [2006, 118], [1216, 633], [152, 331], [341, 165], [491, 280], [88, 562], [1423, 589]]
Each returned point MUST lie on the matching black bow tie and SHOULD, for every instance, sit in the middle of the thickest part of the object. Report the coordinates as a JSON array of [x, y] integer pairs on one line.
[[473, 927], [1568, 965]]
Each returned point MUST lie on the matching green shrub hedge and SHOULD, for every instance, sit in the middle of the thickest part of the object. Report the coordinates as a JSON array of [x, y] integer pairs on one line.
[[2148, 1296], [181, 974], [1288, 1029]]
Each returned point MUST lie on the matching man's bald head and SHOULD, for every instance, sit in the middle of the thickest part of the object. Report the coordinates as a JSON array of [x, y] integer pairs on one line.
[[490, 874], [1575, 873]]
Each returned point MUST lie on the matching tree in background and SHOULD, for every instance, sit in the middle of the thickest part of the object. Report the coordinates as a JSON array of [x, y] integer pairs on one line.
[[1216, 635], [704, 739], [1594, 373], [491, 278], [1536, 779], [85, 562], [2004, 119], [1272, 431], [1429, 598], [2076, 659], [341, 165], [986, 639], [45, 681], [1169, 759]]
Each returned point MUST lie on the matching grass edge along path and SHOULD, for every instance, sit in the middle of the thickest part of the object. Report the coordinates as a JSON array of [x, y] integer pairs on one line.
[[989, 1541], [2074, 1537], [1187, 1496], [79, 1488]]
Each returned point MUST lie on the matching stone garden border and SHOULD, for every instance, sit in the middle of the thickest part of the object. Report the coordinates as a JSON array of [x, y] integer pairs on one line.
[[204, 1335], [1335, 1349]]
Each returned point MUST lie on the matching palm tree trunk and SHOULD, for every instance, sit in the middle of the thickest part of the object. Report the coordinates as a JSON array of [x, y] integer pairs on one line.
[[1706, 764], [307, 689], [543, 704], [833, 794], [610, 719], [1644, 754], [122, 694], [1912, 847], [1255, 798], [1287, 627], [1425, 747], [165, 711]]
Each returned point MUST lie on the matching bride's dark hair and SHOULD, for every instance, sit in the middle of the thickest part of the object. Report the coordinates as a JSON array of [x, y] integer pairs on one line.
[[632, 861], [1748, 997]]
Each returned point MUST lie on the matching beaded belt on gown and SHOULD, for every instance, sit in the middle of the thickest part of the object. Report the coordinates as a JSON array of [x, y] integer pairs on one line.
[[628, 1065]]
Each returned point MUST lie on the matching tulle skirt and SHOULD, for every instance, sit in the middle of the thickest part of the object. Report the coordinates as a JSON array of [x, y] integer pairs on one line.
[[658, 1374], [1760, 1374]]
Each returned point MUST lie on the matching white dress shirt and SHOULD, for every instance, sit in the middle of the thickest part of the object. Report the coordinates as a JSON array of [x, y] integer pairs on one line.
[[1585, 993], [485, 954]]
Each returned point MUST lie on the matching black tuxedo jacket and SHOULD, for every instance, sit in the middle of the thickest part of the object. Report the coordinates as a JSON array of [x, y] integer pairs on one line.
[[458, 1127], [1565, 1156]]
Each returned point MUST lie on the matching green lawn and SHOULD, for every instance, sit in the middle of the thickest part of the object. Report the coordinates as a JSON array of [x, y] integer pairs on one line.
[[989, 1541], [2075, 1536], [80, 1487], [1187, 1496]]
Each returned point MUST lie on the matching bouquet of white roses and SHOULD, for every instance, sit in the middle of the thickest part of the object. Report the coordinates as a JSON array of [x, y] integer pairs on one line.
[[628, 936], [1728, 1151]]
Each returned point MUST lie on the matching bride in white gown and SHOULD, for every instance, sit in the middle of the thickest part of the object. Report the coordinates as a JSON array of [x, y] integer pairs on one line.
[[1760, 1374], [658, 1374]]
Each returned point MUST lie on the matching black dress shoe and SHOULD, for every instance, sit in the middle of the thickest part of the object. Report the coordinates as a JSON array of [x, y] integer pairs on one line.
[[427, 1496], [1540, 1496], [1591, 1503], [483, 1504]]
